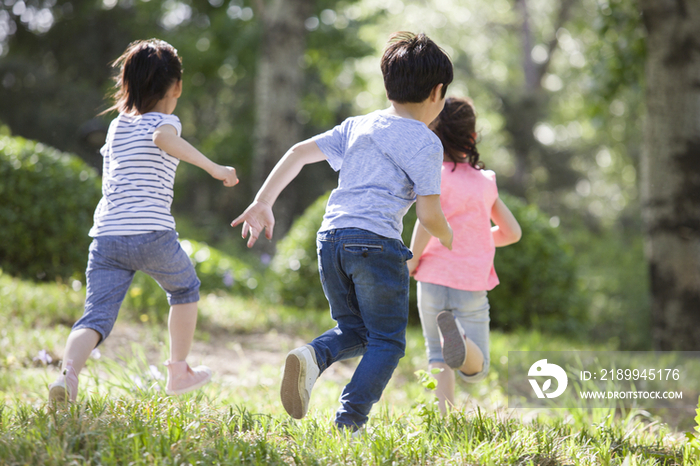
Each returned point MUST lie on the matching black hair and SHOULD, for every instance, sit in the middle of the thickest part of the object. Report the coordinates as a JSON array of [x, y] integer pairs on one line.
[[147, 69], [412, 66], [456, 126]]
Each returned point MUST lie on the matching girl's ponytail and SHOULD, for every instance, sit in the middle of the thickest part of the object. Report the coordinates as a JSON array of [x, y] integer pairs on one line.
[[456, 128]]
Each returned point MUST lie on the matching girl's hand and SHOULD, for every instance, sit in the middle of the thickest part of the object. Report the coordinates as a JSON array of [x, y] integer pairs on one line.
[[225, 174], [447, 240], [256, 218], [412, 265]]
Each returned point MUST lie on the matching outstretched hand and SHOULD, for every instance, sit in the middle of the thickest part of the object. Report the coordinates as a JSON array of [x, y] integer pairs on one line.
[[256, 218]]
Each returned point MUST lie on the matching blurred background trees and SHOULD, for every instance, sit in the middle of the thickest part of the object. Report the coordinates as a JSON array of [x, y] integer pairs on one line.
[[671, 171], [558, 85]]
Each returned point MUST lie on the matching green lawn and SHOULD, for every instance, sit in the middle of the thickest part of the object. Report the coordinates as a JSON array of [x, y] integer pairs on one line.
[[123, 416]]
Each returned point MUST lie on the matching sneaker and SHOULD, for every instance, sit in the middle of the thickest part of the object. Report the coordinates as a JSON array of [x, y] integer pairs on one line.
[[182, 378], [300, 374], [454, 343], [65, 388], [354, 431]]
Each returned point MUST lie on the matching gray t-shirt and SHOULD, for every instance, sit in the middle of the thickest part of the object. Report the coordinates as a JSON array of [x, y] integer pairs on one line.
[[384, 162]]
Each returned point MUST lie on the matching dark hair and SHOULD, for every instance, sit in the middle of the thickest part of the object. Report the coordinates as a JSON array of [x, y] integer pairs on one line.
[[412, 66], [455, 126], [147, 69]]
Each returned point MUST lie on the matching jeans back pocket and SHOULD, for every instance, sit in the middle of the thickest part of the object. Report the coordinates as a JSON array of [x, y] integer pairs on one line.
[[364, 249]]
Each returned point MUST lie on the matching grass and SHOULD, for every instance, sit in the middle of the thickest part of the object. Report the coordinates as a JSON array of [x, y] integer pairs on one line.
[[125, 419]]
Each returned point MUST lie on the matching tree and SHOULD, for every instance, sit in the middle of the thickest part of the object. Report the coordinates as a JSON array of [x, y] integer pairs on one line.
[[671, 170], [279, 86]]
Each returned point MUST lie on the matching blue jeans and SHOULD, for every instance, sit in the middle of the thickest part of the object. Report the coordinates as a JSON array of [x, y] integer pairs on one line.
[[470, 308], [114, 260], [365, 279]]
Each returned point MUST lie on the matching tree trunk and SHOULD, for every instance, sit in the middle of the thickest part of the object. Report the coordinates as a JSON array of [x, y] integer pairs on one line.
[[279, 85], [670, 171]]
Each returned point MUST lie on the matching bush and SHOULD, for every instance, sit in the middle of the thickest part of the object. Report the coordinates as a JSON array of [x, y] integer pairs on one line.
[[48, 200], [217, 271], [36, 305], [539, 287], [293, 274]]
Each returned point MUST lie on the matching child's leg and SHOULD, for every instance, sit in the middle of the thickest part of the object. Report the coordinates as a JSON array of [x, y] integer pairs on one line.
[[348, 339], [108, 280], [445, 390], [181, 325], [475, 359], [432, 300], [163, 258], [181, 377], [474, 318], [380, 282], [80, 344]]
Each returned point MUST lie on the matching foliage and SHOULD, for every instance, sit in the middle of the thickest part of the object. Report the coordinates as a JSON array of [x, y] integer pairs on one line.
[[694, 438], [216, 270], [293, 274], [48, 201], [613, 271], [539, 287], [27, 304]]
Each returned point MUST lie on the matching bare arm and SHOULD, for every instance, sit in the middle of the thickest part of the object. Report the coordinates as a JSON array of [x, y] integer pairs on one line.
[[258, 216], [419, 241], [507, 230], [166, 138], [432, 218]]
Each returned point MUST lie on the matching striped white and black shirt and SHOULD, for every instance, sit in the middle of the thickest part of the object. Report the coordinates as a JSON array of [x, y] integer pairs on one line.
[[137, 178]]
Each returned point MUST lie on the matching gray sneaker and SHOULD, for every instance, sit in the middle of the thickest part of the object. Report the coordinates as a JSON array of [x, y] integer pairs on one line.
[[300, 374], [454, 343]]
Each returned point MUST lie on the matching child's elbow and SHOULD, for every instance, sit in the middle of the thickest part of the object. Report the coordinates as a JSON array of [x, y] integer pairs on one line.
[[159, 138], [516, 234]]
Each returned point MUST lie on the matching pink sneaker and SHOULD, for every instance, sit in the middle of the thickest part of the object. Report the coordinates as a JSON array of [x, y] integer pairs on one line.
[[65, 388], [182, 378]]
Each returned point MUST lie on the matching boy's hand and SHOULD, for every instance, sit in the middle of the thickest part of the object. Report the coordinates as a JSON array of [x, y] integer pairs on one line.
[[225, 174], [256, 218]]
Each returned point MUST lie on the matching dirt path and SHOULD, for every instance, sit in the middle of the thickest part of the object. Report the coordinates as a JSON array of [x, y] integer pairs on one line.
[[238, 359]]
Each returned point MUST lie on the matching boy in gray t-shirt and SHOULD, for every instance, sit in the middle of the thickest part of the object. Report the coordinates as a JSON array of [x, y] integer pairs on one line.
[[387, 160]]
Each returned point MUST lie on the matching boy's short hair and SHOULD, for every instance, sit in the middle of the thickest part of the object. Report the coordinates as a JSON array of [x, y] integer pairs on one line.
[[412, 66]]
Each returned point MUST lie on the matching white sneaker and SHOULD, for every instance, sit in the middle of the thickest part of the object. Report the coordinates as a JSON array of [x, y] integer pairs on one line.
[[300, 374], [454, 343]]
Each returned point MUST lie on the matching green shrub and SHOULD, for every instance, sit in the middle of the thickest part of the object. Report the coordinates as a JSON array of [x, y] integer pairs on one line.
[[539, 287], [614, 273], [36, 305], [293, 274], [217, 271], [48, 199]]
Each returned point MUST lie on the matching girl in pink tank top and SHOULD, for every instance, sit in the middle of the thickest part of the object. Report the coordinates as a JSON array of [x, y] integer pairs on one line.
[[452, 285]]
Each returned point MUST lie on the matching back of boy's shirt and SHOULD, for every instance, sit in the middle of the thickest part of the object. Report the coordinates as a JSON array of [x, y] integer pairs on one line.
[[384, 161]]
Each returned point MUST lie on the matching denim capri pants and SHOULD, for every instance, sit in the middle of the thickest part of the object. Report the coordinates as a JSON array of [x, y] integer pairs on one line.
[[114, 260], [471, 308]]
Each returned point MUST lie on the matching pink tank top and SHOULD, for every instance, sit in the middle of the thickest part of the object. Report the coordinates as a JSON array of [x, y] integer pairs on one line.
[[467, 197]]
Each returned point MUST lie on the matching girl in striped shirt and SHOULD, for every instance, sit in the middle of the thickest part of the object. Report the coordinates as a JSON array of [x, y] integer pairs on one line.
[[133, 228]]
